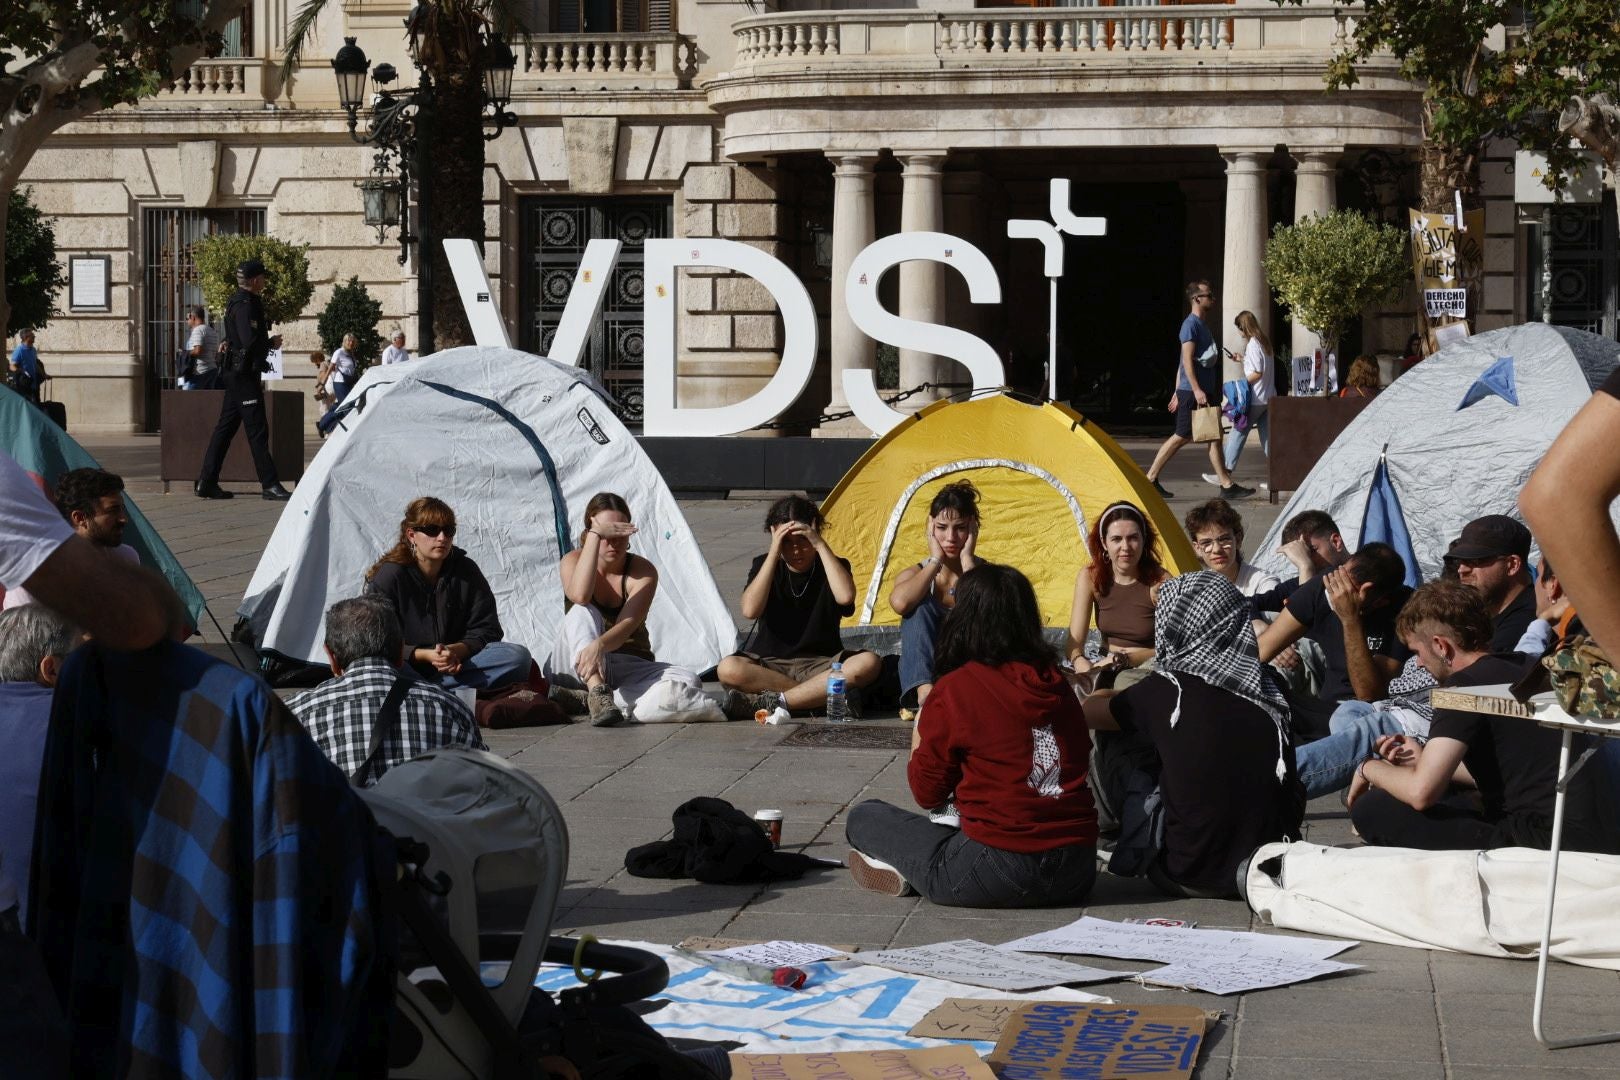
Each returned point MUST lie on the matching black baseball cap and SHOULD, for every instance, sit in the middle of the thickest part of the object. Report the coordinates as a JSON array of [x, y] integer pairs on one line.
[[1489, 537], [250, 268]]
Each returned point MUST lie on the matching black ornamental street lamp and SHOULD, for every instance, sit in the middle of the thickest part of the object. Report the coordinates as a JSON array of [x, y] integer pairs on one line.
[[392, 128]]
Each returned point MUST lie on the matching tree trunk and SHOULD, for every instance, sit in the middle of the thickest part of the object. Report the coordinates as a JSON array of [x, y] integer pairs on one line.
[[452, 187]]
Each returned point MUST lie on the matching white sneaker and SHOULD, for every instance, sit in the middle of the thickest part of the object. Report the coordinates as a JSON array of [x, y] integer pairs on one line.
[[1211, 478], [870, 873]]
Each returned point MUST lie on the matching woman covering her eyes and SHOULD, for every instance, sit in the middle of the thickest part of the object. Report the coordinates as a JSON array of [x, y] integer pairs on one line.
[[446, 607]]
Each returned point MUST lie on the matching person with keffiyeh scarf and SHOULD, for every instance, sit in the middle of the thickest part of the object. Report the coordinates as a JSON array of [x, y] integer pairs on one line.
[[1226, 781]]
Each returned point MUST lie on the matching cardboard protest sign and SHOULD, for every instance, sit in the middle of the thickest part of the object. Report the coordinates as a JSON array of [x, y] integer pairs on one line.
[[941, 1063], [1446, 262], [976, 1019], [1049, 1041], [978, 964]]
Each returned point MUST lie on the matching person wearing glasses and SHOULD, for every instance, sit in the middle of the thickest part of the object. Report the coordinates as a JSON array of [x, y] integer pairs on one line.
[[446, 608], [1217, 535], [1198, 383]]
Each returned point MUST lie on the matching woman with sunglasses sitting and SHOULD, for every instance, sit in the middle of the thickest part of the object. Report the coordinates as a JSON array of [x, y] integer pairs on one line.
[[446, 608]]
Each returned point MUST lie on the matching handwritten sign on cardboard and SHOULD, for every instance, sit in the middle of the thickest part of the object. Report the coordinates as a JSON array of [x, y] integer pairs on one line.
[[978, 964], [1049, 1040], [939, 1063], [973, 1019]]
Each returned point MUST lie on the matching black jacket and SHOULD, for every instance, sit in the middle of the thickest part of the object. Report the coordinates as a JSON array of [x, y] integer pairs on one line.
[[459, 607], [247, 333]]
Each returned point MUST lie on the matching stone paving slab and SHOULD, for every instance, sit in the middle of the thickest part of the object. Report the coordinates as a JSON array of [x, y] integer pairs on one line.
[[1409, 1015]]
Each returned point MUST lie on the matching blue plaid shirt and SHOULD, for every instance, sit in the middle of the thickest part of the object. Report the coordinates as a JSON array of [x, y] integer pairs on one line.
[[206, 884]]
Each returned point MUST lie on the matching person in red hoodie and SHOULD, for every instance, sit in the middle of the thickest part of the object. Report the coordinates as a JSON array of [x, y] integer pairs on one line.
[[1004, 732]]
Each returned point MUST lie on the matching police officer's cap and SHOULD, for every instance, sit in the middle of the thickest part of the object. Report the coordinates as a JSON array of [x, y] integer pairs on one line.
[[249, 268]]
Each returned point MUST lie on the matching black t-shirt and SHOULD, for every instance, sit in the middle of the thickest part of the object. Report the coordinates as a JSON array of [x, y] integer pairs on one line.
[[1217, 776], [1310, 606], [1515, 763], [1509, 625], [801, 616]]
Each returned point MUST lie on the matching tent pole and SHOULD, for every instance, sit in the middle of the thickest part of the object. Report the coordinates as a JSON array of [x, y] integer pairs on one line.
[[229, 644], [1051, 341]]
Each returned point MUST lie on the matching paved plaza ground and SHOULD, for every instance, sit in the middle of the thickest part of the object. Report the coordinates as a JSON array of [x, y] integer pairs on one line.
[[1408, 1015]]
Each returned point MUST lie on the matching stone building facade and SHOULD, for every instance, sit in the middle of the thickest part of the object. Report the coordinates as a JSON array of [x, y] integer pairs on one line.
[[802, 129]]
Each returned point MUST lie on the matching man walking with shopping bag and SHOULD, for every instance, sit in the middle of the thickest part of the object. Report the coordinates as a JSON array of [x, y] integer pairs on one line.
[[1198, 387]]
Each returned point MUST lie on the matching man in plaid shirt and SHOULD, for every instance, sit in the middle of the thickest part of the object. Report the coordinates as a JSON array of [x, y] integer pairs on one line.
[[366, 648]]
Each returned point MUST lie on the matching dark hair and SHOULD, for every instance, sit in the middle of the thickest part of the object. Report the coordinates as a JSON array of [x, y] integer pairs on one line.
[[1456, 607], [1102, 575], [198, 312], [361, 627], [794, 508], [959, 495], [1219, 514], [81, 489], [602, 501], [996, 621], [1196, 286], [1378, 565], [424, 511], [1547, 568], [1308, 523]]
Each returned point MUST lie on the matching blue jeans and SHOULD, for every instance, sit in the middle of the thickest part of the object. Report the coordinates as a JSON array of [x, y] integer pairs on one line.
[[952, 870], [329, 418], [918, 633], [1327, 765], [1259, 420], [498, 664]]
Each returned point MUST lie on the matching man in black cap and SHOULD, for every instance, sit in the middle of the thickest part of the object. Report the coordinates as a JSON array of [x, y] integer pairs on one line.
[[1492, 556], [247, 336]]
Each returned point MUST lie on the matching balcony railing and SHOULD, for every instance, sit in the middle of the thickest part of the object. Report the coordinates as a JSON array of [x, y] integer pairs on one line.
[[228, 80], [608, 61], [804, 40]]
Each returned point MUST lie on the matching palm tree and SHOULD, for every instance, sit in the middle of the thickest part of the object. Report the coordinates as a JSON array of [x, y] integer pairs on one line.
[[447, 40]]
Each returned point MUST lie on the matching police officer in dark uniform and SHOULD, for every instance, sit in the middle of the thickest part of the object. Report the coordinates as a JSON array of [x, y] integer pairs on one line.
[[248, 341]]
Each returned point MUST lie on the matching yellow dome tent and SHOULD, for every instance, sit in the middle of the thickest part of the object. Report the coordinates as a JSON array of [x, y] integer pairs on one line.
[[1043, 473]]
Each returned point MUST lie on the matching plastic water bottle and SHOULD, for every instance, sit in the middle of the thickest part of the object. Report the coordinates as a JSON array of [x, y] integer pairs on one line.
[[837, 702]]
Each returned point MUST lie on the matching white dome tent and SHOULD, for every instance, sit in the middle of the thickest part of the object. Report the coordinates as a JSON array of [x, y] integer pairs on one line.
[[517, 445], [1450, 465]]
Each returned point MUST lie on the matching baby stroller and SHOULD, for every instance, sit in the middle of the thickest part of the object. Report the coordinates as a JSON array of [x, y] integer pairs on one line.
[[482, 854]]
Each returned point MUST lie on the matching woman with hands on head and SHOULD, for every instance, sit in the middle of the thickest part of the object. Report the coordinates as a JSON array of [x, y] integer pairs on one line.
[[924, 593], [1121, 585], [797, 592], [446, 608]]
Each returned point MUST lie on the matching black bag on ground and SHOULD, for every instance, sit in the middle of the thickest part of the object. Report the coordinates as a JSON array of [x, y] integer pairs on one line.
[[56, 411], [715, 842]]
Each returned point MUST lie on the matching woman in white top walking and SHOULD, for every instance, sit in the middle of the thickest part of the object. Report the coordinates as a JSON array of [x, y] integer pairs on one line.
[[339, 381], [1258, 369]]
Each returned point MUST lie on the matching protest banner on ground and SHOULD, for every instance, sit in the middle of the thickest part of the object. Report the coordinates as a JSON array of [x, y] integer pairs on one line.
[[978, 964], [1050, 1040], [974, 1019]]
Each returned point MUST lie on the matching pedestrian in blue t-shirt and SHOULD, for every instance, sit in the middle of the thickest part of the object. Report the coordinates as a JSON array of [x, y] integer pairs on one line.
[[1198, 383], [26, 372]]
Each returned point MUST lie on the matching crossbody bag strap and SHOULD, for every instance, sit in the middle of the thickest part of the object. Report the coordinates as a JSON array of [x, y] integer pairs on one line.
[[387, 720]]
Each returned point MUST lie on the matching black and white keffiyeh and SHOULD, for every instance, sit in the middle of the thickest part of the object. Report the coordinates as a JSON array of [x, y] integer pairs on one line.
[[1202, 627]]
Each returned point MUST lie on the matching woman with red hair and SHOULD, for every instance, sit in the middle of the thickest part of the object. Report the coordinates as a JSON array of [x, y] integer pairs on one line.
[[1120, 584]]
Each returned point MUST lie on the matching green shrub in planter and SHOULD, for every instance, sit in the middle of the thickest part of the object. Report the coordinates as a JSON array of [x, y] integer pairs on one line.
[[287, 290], [352, 310]]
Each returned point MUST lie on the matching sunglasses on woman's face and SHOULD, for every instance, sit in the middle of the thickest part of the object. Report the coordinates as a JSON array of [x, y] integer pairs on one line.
[[433, 531]]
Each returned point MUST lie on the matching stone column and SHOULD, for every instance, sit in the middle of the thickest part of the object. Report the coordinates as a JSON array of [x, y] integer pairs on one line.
[[1243, 277], [854, 224], [922, 283], [1315, 192]]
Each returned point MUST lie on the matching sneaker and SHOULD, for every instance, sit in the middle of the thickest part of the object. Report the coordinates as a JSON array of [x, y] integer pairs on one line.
[[737, 706], [1236, 491], [869, 873], [602, 708], [1163, 493], [1211, 479], [572, 702]]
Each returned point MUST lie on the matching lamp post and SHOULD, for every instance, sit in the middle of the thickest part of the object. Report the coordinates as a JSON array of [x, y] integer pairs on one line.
[[392, 127]]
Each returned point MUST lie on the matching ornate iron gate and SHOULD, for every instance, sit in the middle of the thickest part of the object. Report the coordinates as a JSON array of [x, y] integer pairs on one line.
[[554, 234], [170, 280], [1585, 275]]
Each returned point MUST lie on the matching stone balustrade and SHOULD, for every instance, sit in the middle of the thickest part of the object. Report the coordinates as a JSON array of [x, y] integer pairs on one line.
[[228, 80], [607, 61], [1195, 34]]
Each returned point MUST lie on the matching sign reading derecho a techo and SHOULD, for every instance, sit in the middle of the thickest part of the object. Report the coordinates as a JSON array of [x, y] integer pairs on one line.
[[663, 259]]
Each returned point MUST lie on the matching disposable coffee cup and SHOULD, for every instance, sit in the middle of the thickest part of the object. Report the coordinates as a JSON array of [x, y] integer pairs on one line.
[[771, 822]]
